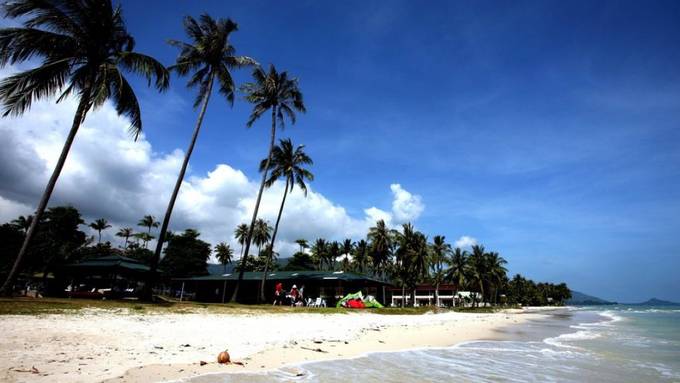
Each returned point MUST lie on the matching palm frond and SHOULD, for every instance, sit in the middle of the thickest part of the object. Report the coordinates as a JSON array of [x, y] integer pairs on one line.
[[146, 66], [21, 44], [18, 91]]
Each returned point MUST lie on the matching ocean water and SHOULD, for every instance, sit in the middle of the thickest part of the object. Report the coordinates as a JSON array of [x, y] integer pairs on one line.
[[589, 344]]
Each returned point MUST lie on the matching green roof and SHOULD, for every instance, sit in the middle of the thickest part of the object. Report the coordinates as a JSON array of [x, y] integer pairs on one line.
[[287, 276], [110, 261]]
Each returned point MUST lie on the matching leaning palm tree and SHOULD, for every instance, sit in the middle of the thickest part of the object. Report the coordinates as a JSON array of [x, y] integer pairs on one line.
[[148, 221], [287, 163], [240, 234], [208, 58], [275, 91], [84, 47], [125, 232], [100, 225]]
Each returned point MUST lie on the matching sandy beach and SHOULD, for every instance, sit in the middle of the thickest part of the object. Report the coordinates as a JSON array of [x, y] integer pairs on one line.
[[122, 346]]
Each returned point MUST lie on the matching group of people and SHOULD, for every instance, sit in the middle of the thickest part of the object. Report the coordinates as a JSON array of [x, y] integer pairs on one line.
[[295, 296]]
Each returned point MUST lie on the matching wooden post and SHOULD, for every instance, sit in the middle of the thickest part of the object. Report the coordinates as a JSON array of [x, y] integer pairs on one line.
[[181, 294], [224, 289]]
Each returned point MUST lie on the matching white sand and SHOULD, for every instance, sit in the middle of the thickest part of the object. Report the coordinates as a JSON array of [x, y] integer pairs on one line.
[[99, 345]]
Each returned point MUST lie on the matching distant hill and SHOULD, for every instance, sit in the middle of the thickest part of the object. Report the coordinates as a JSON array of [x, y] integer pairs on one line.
[[656, 302], [581, 299]]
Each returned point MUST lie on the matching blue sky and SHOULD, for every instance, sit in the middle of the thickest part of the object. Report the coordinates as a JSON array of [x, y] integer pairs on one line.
[[546, 130]]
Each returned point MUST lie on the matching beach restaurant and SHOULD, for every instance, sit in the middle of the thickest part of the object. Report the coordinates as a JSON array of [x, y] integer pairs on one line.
[[425, 295], [327, 285]]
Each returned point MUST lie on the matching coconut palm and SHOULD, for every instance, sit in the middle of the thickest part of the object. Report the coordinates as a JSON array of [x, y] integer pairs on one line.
[[84, 47], [240, 235], [208, 58], [303, 244], [287, 163], [100, 225], [347, 247], [458, 269], [125, 232], [275, 91], [146, 238], [380, 239], [319, 250], [148, 221], [262, 234], [224, 254], [23, 223], [440, 251], [496, 272], [360, 256], [477, 269], [333, 253]]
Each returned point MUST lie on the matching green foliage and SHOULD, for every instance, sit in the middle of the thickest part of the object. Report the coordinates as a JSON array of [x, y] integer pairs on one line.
[[185, 255], [300, 262]]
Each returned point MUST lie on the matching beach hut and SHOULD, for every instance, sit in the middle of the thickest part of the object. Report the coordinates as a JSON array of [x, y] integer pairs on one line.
[[111, 276]]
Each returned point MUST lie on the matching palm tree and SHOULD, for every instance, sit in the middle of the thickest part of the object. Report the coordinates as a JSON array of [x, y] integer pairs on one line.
[[360, 258], [146, 238], [148, 221], [380, 239], [319, 250], [262, 234], [224, 254], [209, 57], [275, 91], [240, 235], [495, 267], [458, 270], [477, 269], [303, 244], [99, 225], [333, 253], [23, 223], [125, 232], [439, 257], [287, 163], [84, 47]]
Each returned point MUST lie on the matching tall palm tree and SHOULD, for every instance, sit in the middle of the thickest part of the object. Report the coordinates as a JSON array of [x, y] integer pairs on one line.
[[458, 270], [262, 234], [100, 225], [148, 221], [288, 163], [360, 257], [495, 267], [146, 238], [84, 47], [319, 250], [23, 223], [478, 268], [380, 238], [240, 235], [208, 58], [333, 253], [439, 257], [224, 254], [275, 91], [303, 244], [125, 232]]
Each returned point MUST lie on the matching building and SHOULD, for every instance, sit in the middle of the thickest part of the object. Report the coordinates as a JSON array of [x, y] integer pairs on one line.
[[448, 296], [329, 285], [112, 276]]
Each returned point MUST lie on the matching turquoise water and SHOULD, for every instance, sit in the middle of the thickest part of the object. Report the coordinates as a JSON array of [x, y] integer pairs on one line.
[[593, 344]]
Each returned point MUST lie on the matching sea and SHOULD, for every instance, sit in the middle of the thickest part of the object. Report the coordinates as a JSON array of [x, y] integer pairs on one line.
[[573, 344]]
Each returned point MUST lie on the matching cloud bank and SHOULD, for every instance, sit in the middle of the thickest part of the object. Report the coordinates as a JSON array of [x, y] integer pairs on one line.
[[109, 175]]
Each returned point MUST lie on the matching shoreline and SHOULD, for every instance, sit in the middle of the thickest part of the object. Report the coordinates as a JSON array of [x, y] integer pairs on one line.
[[110, 346], [461, 328]]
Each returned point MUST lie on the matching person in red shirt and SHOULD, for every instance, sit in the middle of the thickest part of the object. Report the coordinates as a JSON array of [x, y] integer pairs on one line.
[[294, 295], [278, 294]]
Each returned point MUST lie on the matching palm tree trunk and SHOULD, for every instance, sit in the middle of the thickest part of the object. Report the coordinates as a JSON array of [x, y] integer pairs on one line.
[[257, 206], [100, 236], [151, 280], [83, 106], [270, 253], [403, 295], [436, 295]]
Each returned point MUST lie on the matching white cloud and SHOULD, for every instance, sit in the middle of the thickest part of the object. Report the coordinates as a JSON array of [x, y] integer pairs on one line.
[[465, 241], [405, 206], [109, 175]]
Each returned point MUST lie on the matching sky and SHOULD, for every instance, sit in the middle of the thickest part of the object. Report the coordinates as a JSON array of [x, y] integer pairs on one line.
[[547, 131]]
